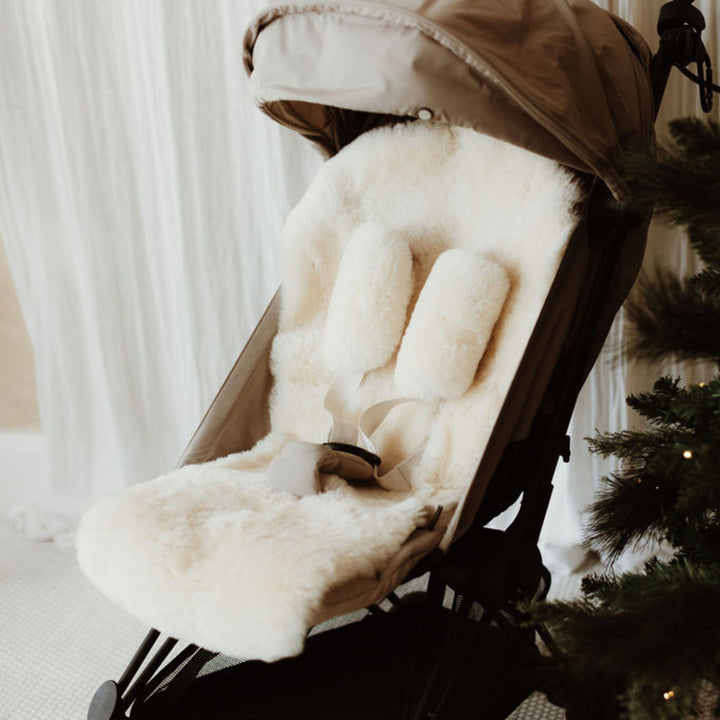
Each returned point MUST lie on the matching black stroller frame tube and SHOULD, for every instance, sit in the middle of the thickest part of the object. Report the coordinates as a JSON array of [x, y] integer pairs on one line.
[[424, 708], [137, 660], [142, 679], [680, 27], [530, 518]]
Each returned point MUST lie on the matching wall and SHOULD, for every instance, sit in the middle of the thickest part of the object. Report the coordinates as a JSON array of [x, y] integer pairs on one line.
[[18, 394]]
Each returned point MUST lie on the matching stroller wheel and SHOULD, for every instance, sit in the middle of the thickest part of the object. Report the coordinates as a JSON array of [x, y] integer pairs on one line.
[[104, 704]]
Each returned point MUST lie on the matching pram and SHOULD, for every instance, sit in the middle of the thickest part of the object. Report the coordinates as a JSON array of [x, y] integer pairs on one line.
[[447, 283]]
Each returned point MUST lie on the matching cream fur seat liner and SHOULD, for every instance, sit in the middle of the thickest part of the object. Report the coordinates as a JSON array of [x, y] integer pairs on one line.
[[212, 552]]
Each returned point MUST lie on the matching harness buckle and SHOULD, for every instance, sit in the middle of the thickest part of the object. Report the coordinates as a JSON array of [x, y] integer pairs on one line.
[[369, 457]]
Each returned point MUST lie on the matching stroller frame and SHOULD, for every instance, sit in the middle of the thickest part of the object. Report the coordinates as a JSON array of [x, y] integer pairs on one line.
[[488, 571]]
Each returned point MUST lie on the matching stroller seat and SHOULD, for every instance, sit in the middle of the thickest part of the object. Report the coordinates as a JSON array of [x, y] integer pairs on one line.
[[413, 272]]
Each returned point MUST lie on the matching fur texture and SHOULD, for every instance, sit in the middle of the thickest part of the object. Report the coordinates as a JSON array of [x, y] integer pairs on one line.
[[210, 552], [369, 301], [450, 326]]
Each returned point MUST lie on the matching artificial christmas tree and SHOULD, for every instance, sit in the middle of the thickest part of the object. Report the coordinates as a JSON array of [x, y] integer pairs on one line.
[[647, 644]]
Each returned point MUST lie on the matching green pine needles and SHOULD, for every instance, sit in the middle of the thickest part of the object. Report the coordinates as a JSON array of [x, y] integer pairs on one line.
[[646, 645], [671, 316], [670, 486], [639, 645], [682, 182], [675, 317]]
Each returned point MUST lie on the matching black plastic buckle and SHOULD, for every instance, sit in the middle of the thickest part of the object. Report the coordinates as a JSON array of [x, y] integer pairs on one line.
[[366, 455], [565, 449]]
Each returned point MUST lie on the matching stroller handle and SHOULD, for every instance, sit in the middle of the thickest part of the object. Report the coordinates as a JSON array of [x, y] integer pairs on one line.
[[680, 27]]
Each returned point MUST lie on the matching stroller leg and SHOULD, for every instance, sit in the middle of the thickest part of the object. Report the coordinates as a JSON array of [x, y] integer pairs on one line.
[[137, 660], [142, 679], [106, 703], [461, 609], [433, 600], [478, 631], [162, 692]]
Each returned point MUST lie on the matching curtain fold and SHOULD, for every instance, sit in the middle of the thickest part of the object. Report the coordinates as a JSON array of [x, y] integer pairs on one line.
[[141, 197]]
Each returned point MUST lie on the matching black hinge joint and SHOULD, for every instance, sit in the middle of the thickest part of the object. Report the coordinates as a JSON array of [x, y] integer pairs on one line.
[[565, 449]]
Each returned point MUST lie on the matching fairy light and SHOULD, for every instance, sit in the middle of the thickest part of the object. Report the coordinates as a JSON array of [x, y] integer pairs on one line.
[[669, 695], [702, 384], [687, 454]]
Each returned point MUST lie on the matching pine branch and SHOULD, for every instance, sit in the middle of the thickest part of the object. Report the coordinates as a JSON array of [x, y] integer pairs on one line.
[[707, 702], [668, 491], [628, 513], [707, 282], [673, 317], [635, 445], [704, 240], [683, 412], [652, 633], [682, 182], [698, 139], [692, 519], [656, 406]]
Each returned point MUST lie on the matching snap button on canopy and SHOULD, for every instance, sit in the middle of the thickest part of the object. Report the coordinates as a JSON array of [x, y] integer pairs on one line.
[[425, 113]]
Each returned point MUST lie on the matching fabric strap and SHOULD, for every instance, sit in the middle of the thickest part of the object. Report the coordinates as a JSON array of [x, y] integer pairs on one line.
[[298, 466], [360, 433]]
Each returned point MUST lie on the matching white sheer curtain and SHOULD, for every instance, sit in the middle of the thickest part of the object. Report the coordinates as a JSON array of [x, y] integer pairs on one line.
[[141, 195], [601, 404]]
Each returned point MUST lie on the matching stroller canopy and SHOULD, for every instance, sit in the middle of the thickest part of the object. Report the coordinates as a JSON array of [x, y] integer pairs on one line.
[[562, 78]]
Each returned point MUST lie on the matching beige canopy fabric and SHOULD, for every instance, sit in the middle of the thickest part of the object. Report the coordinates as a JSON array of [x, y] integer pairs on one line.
[[562, 78]]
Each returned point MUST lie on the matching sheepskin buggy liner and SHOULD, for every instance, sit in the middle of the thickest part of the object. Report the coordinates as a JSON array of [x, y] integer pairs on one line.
[[446, 283]]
